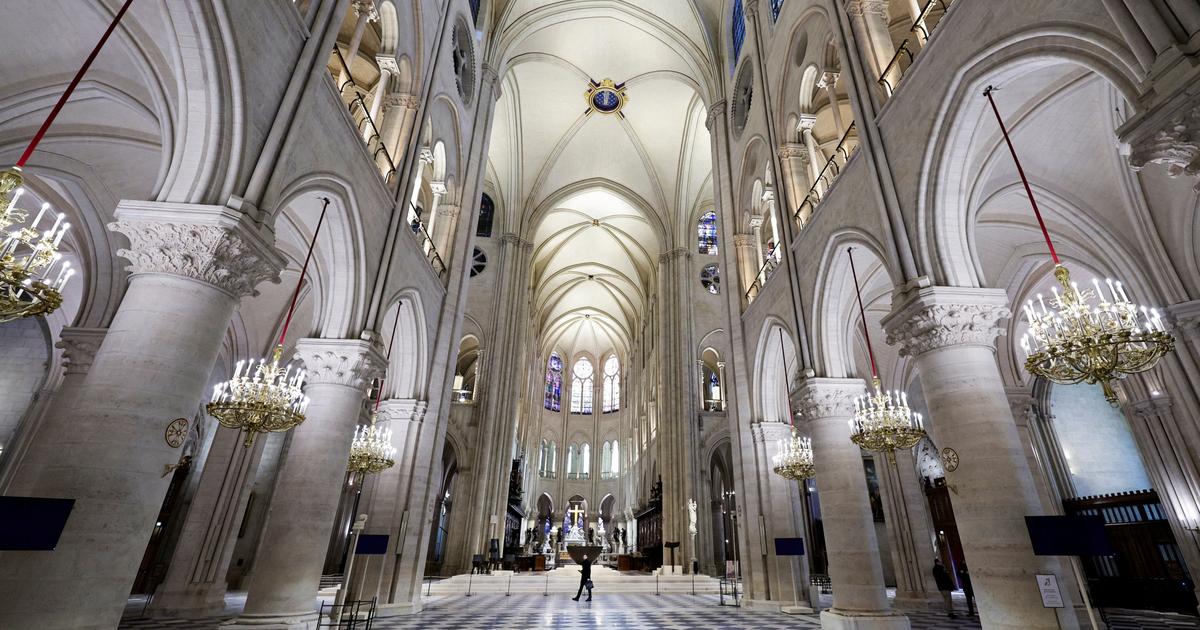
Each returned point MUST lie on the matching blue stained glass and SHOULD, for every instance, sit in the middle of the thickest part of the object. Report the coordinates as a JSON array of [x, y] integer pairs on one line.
[[776, 7], [553, 395], [605, 100], [739, 31], [475, 10], [706, 233]]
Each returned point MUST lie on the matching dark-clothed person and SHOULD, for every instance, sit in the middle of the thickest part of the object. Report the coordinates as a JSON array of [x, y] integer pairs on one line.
[[585, 579], [944, 584]]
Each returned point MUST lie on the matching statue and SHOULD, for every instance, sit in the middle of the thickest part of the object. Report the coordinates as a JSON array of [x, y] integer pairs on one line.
[[603, 535], [692, 517]]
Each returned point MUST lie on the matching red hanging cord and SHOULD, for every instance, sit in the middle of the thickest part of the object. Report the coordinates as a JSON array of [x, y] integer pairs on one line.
[[62, 100], [786, 385], [862, 312], [388, 356], [1020, 171], [303, 271]]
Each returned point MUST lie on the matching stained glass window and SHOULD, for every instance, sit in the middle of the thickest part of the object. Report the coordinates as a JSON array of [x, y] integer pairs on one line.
[[706, 233], [475, 10], [553, 397], [581, 386], [776, 7], [710, 277], [487, 211], [612, 385], [739, 32]]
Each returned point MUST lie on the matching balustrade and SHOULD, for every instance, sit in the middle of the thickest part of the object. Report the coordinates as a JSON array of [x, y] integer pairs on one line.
[[829, 173], [360, 113]]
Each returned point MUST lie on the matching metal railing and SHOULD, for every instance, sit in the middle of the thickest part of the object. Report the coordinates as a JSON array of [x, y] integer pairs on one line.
[[349, 615], [760, 279], [577, 475], [608, 475], [829, 173], [425, 242], [922, 28], [361, 115], [548, 474]]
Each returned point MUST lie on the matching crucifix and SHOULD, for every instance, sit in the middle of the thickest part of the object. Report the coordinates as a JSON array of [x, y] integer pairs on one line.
[[576, 512]]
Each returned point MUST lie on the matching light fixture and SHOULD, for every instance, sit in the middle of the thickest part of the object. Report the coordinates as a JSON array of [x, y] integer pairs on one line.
[[31, 278], [29, 254], [1085, 336], [605, 97], [794, 461], [265, 397], [372, 450], [883, 422]]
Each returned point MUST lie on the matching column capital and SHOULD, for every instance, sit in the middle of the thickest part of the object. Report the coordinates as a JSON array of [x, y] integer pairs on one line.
[[425, 154], [750, 7], [448, 210], [770, 432], [743, 241], [756, 221], [346, 362], [715, 111], [215, 245], [79, 346], [399, 100], [437, 187], [938, 317], [366, 8], [828, 80], [1153, 406], [388, 63], [790, 150], [1185, 317], [508, 238], [490, 76], [806, 122], [1174, 143], [820, 398], [674, 254], [1021, 402], [874, 8], [401, 410]]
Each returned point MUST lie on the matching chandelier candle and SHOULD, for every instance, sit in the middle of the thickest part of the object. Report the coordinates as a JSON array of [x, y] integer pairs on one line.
[[882, 421], [794, 461], [1085, 336]]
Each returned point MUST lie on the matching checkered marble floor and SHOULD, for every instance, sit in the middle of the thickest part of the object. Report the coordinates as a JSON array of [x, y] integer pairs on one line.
[[634, 612]]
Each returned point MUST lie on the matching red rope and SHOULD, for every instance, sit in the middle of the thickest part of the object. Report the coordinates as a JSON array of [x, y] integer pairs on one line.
[[1020, 171], [62, 100], [388, 356], [303, 272], [862, 312], [786, 384]]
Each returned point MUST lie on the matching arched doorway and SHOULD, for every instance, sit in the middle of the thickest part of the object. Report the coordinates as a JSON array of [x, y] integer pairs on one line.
[[440, 532]]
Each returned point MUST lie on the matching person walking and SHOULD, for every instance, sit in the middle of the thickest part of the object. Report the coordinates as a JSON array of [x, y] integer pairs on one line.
[[964, 578], [944, 584], [585, 579]]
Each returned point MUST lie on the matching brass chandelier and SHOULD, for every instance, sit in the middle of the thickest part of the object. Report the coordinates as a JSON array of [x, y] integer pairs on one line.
[[1085, 336], [29, 253], [794, 461], [372, 450], [883, 421], [266, 397], [31, 280]]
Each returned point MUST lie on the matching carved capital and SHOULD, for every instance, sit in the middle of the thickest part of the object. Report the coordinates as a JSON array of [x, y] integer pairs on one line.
[[715, 111], [387, 64], [756, 221], [79, 346], [1185, 318], [399, 101], [367, 9], [821, 398], [213, 244], [674, 254], [876, 9], [437, 187], [828, 80], [1154, 407], [347, 362], [448, 210], [750, 8], [793, 150], [806, 122], [425, 154], [940, 317], [743, 240], [402, 410], [1176, 145]]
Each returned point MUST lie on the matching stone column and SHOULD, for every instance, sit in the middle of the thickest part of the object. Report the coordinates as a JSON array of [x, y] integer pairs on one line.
[[382, 501], [449, 223], [387, 67], [399, 113], [744, 246], [910, 530], [190, 264], [438, 188], [756, 222], [783, 517], [287, 571], [950, 334], [195, 581], [793, 157], [859, 597], [816, 159], [828, 82], [79, 346], [366, 12], [869, 19]]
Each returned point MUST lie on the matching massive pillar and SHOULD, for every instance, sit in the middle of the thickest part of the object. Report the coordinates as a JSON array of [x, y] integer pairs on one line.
[[195, 581], [783, 517], [287, 571], [910, 530], [190, 264], [859, 597], [950, 333]]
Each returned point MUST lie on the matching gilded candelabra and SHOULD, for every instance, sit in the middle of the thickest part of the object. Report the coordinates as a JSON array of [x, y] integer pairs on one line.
[[31, 278], [795, 460], [372, 449], [883, 421], [261, 397]]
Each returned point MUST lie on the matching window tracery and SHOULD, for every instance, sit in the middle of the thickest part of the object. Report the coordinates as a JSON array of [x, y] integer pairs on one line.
[[581, 386], [553, 394], [612, 385]]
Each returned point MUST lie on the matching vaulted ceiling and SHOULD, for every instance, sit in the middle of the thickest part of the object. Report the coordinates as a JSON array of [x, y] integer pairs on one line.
[[600, 195]]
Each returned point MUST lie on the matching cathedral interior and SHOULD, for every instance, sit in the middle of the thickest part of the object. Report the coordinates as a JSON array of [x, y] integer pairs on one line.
[[388, 313]]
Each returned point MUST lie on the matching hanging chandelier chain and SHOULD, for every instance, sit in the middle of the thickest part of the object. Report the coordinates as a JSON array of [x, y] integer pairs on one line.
[[303, 272], [1021, 171]]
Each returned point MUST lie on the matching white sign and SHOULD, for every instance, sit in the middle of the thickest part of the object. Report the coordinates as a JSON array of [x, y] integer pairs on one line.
[[1051, 596]]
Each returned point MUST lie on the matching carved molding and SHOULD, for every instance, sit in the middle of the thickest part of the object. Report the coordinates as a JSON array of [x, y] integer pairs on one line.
[[770, 432], [398, 100], [819, 398], [715, 111], [793, 150], [79, 346], [674, 254], [347, 362], [1177, 146], [939, 317], [437, 187], [828, 80], [448, 210], [212, 244], [388, 64], [877, 9], [743, 240], [400, 410], [366, 8]]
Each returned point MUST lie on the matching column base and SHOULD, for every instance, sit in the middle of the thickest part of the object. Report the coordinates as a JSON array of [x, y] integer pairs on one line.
[[186, 604], [797, 609], [398, 609], [273, 621], [914, 601], [847, 620]]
